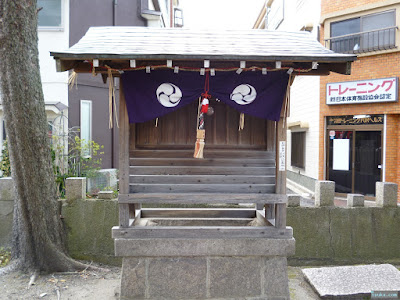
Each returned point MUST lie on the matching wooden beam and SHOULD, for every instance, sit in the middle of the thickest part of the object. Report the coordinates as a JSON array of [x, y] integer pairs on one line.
[[200, 198], [124, 211], [281, 155], [198, 213], [280, 215], [149, 232], [80, 66]]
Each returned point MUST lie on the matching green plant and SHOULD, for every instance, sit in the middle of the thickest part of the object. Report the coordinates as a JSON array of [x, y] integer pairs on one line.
[[5, 256], [5, 165], [83, 159], [114, 190]]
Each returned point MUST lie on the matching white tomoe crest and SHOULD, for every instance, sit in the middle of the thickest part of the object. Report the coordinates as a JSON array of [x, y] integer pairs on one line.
[[168, 94], [244, 94]]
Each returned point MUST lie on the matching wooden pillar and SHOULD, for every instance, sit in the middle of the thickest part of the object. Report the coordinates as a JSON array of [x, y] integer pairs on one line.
[[280, 187], [124, 209]]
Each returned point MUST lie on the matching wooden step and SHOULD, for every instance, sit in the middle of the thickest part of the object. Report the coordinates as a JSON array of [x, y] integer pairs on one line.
[[202, 188], [200, 170], [201, 198], [209, 179], [208, 153], [243, 162]]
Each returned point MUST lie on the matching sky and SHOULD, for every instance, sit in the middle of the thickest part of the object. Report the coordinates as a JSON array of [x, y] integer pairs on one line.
[[220, 14]]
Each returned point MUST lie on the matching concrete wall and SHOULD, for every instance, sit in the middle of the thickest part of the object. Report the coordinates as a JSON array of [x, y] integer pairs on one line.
[[324, 235], [88, 224], [303, 180], [6, 211]]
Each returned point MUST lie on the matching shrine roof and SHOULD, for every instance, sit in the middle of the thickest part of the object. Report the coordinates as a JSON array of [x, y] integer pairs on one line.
[[149, 43]]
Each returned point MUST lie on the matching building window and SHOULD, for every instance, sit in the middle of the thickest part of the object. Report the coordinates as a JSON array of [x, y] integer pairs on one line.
[[86, 126], [298, 149], [364, 34], [50, 13], [178, 17]]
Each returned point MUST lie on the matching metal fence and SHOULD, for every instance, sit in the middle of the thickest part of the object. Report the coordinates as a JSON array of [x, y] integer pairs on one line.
[[366, 41]]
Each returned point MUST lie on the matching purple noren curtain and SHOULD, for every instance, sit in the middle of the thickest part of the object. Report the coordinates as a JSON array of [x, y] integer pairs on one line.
[[152, 95]]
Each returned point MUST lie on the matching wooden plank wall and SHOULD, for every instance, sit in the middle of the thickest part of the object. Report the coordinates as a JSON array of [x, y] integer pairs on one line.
[[178, 130]]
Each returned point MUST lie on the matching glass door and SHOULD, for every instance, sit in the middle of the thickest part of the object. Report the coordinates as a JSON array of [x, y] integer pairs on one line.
[[340, 160], [354, 161], [367, 164]]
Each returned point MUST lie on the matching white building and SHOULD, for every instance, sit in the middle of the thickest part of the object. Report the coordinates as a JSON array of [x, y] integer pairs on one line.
[[303, 123], [53, 33]]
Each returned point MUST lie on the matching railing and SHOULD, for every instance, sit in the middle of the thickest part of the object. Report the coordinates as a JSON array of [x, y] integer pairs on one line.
[[366, 41]]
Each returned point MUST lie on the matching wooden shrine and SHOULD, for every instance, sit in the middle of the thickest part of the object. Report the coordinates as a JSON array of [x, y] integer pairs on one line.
[[157, 169]]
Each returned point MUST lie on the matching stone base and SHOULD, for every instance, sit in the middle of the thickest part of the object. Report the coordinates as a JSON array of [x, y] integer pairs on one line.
[[233, 268]]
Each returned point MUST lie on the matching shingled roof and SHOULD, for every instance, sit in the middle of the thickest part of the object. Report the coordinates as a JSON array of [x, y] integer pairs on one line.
[[148, 43]]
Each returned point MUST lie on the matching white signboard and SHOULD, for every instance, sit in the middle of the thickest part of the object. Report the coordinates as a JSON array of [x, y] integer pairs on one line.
[[363, 91], [341, 149], [282, 156]]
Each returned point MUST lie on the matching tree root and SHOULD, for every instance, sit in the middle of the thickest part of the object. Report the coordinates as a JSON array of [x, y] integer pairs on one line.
[[12, 266], [33, 279]]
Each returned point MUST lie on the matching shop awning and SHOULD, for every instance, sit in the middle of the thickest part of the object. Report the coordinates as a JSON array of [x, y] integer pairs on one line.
[[125, 48]]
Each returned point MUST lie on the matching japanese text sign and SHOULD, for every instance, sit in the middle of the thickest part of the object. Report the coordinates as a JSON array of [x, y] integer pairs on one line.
[[364, 91]]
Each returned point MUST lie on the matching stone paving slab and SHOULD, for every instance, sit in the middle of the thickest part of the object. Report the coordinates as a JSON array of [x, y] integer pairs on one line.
[[350, 281]]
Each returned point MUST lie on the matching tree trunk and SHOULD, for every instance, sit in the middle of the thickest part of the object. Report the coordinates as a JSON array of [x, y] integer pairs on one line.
[[38, 235]]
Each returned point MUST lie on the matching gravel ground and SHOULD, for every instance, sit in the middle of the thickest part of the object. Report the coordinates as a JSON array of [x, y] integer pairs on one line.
[[102, 286], [99, 285]]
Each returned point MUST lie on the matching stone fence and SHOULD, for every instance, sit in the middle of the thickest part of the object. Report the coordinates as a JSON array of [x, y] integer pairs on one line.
[[324, 234]]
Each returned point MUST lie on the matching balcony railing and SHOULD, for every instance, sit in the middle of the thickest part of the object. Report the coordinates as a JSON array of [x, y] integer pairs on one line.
[[366, 41]]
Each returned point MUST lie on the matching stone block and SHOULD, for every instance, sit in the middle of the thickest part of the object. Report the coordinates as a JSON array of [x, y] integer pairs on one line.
[[133, 278], [7, 192], [293, 200], [236, 277], [386, 194], [6, 222], [177, 278], [355, 200], [75, 188], [88, 226], [276, 285], [106, 195], [324, 193], [171, 247], [353, 282]]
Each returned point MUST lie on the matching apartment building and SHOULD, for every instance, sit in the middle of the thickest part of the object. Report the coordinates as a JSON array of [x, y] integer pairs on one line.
[[359, 114]]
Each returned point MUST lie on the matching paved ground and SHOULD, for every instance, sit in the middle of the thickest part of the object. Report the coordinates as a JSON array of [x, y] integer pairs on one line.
[[298, 287], [103, 286], [355, 281]]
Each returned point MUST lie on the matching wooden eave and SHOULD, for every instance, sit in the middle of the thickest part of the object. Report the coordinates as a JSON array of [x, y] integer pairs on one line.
[[84, 65], [114, 47]]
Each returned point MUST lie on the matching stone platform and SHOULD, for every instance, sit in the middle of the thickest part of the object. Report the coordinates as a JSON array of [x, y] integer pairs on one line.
[[245, 267]]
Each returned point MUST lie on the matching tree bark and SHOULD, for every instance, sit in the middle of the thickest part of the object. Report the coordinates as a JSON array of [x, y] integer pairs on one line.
[[38, 234]]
